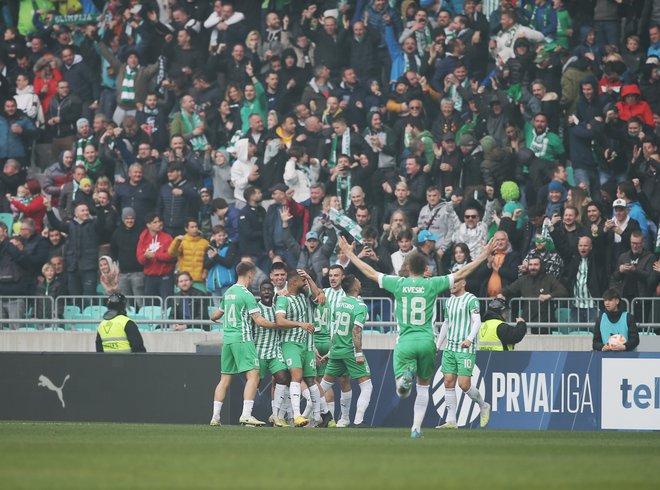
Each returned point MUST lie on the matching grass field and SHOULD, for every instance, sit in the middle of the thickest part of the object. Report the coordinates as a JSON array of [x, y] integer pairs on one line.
[[112, 456]]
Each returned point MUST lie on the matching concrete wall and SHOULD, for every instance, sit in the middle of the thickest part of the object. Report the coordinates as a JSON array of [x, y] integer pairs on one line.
[[183, 342]]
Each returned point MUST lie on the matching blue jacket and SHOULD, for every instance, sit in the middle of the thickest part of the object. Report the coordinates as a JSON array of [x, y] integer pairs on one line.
[[12, 145], [221, 266], [376, 22], [636, 212]]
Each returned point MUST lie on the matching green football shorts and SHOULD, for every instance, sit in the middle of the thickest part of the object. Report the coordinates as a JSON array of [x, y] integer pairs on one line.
[[323, 346], [460, 363], [297, 356], [339, 367], [238, 357], [418, 356], [272, 365]]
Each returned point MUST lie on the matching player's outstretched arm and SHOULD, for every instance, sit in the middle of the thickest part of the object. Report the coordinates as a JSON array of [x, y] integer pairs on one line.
[[216, 315], [262, 322], [472, 266], [283, 322], [365, 268]]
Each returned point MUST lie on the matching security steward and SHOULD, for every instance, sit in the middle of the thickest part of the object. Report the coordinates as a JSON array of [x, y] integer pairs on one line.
[[117, 332], [495, 333]]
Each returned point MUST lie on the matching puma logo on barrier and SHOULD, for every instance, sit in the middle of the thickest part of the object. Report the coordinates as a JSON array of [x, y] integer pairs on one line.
[[47, 383]]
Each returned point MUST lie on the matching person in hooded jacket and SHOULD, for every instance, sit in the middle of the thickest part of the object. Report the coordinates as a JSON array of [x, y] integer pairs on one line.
[[632, 105]]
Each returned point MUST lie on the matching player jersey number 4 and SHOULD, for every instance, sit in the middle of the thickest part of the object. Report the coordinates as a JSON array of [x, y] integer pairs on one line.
[[238, 304], [415, 299]]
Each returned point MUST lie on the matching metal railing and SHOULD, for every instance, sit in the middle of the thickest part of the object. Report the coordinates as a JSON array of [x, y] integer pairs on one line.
[[555, 316], [647, 314]]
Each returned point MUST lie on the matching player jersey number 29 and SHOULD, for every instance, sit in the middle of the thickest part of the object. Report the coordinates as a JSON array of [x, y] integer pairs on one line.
[[414, 309], [343, 323]]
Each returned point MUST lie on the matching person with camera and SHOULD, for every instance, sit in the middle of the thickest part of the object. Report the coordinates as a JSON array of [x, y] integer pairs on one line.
[[495, 333]]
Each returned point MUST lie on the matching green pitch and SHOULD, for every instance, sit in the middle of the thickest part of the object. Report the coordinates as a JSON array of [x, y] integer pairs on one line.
[[132, 456]]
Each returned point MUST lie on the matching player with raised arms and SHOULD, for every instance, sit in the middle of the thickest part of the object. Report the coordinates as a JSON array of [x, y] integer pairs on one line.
[[239, 355], [460, 327], [292, 312], [415, 300], [346, 346]]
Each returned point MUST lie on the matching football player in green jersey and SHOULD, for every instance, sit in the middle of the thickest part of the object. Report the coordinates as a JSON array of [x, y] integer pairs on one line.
[[346, 346], [415, 299], [238, 352], [460, 327], [292, 312], [323, 316], [267, 343]]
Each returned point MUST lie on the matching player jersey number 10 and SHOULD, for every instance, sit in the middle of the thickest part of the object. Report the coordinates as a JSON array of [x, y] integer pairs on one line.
[[414, 310]]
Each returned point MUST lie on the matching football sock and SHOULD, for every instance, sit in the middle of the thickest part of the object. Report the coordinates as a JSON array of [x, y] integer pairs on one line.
[[217, 408], [473, 393], [278, 399], [450, 400], [308, 406], [294, 388], [421, 402], [331, 409], [325, 386], [324, 405], [363, 401], [345, 403], [247, 408], [315, 395]]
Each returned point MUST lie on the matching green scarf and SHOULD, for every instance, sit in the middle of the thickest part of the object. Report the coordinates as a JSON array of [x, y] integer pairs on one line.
[[198, 142], [128, 86], [81, 143]]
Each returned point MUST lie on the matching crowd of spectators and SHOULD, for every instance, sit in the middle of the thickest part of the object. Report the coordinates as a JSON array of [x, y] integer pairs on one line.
[[149, 146]]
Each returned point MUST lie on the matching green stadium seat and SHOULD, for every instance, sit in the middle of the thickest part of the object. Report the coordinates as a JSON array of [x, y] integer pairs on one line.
[[95, 311], [151, 313], [8, 219], [70, 312], [580, 333]]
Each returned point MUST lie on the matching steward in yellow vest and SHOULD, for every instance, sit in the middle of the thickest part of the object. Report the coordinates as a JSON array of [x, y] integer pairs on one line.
[[495, 334], [117, 332]]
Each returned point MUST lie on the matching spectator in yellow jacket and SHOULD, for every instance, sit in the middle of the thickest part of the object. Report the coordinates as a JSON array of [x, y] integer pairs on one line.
[[189, 250]]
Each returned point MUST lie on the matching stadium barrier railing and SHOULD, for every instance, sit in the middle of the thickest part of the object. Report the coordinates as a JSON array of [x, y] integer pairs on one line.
[[555, 316], [647, 314]]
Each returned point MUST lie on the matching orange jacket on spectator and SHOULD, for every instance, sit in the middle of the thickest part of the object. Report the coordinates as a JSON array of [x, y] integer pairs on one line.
[[190, 254], [640, 109], [162, 264]]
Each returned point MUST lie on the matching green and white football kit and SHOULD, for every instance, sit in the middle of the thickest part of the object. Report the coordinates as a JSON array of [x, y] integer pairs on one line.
[[238, 351]]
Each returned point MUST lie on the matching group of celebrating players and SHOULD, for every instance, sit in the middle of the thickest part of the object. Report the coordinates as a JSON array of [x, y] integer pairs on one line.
[[308, 338]]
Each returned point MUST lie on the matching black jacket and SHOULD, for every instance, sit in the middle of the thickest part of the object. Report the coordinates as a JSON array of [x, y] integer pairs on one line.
[[199, 306], [141, 197], [175, 209], [251, 230], [123, 245], [82, 246], [68, 110], [82, 82], [598, 273]]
